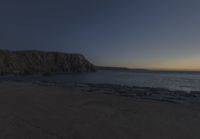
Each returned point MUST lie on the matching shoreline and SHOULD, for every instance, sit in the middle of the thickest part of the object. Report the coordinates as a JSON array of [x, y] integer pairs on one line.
[[138, 92], [149, 93], [178, 82]]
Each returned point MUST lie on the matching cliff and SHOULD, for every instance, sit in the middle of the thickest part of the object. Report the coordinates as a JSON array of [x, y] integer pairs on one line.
[[28, 62]]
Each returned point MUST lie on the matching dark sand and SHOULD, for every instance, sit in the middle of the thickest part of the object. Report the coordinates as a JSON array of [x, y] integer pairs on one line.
[[31, 111]]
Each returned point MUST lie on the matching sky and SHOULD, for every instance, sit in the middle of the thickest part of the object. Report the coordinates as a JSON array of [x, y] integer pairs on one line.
[[152, 34]]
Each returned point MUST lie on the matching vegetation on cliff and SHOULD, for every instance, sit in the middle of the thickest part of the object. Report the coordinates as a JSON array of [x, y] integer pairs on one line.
[[28, 62]]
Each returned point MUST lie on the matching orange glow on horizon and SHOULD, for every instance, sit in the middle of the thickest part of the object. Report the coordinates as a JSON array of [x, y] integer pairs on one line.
[[183, 64]]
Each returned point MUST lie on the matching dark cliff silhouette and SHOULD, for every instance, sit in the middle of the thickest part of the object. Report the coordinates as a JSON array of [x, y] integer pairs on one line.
[[28, 62]]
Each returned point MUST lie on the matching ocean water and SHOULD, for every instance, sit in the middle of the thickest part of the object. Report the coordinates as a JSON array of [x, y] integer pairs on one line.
[[172, 81]]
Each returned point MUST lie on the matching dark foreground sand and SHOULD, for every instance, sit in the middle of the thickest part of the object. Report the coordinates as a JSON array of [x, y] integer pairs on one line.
[[31, 111]]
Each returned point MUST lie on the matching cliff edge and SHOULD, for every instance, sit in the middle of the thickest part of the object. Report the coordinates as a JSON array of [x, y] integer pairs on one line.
[[28, 62]]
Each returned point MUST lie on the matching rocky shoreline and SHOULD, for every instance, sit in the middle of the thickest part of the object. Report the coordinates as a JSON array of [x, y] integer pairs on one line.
[[155, 94], [148, 93]]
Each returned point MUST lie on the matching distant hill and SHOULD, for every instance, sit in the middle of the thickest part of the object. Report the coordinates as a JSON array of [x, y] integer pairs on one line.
[[28, 62], [122, 69], [145, 70]]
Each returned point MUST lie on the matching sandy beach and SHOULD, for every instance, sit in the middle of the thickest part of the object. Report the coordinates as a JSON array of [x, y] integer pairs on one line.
[[33, 111]]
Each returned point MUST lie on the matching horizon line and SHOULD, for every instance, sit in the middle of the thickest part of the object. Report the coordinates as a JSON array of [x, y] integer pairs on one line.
[[150, 69]]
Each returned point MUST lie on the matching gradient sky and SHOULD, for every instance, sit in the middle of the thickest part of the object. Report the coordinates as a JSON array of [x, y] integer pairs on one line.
[[154, 34]]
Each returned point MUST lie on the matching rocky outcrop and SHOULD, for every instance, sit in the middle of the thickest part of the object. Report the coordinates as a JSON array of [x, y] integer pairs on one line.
[[28, 62]]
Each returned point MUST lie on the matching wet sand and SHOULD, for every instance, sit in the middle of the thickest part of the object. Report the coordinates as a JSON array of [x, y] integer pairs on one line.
[[32, 111]]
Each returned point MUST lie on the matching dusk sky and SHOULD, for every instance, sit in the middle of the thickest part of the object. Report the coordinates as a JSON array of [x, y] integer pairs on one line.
[[153, 34]]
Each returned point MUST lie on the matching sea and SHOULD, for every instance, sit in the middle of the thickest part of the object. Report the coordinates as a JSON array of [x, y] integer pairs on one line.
[[170, 80]]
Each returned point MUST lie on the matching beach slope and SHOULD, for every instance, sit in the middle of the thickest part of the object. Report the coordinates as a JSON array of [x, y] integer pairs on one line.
[[32, 111]]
